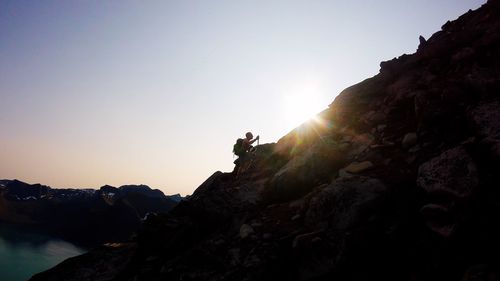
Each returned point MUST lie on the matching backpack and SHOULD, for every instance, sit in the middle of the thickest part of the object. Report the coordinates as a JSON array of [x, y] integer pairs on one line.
[[238, 147]]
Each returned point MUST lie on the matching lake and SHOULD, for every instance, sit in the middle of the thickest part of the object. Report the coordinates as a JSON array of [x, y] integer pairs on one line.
[[23, 253]]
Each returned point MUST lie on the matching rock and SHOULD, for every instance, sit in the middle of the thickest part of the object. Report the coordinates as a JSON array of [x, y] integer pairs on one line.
[[245, 231], [374, 117], [316, 240], [252, 261], [217, 199], [347, 138], [343, 173], [151, 258], [344, 202], [256, 224], [414, 149], [453, 172], [482, 272], [440, 222], [422, 41], [451, 179], [381, 127], [219, 242], [409, 140], [440, 111], [493, 145], [387, 142], [165, 269], [302, 173], [463, 54], [356, 168], [234, 256], [303, 238], [346, 211], [486, 120], [359, 144], [410, 159], [378, 117], [296, 204], [267, 236]]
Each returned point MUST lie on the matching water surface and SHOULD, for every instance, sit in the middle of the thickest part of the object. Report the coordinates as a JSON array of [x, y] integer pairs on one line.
[[24, 253]]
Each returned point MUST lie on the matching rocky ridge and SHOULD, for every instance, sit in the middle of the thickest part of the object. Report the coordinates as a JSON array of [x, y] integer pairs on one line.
[[398, 180]]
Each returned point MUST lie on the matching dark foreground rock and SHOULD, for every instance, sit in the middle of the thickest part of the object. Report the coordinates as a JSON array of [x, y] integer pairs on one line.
[[399, 180]]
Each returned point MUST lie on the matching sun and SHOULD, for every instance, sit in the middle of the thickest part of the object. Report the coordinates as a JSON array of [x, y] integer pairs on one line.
[[301, 107]]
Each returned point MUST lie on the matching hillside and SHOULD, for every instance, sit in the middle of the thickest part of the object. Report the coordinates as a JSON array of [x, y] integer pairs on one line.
[[396, 180]]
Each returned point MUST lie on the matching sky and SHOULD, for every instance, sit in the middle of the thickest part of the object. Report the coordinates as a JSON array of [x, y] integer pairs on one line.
[[157, 92]]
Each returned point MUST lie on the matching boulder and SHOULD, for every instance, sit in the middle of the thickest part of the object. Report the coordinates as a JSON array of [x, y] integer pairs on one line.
[[486, 120], [453, 173], [303, 172], [245, 231], [358, 167], [344, 212], [450, 180], [409, 140], [346, 202]]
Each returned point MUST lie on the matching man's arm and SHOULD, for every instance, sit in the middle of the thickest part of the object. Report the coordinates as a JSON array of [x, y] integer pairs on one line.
[[254, 140]]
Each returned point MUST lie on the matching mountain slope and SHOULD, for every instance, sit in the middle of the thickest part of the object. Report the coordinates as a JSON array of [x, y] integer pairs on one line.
[[397, 181]]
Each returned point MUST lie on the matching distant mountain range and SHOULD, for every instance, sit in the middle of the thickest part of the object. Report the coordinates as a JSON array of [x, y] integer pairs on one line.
[[87, 217]]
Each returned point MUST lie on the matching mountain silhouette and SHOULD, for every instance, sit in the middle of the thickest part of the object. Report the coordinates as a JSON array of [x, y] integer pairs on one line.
[[86, 217]]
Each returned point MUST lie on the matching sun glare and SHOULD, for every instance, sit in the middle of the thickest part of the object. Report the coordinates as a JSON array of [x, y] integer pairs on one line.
[[300, 108]]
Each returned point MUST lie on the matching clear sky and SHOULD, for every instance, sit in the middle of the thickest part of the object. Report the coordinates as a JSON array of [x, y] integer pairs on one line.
[[156, 92]]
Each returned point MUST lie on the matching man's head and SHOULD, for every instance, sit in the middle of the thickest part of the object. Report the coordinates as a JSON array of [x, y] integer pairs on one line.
[[249, 136]]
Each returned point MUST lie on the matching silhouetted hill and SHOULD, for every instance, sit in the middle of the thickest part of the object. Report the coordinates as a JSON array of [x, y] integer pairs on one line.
[[85, 216], [398, 180]]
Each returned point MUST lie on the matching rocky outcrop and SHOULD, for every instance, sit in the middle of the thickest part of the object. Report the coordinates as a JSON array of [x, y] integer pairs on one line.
[[396, 180]]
